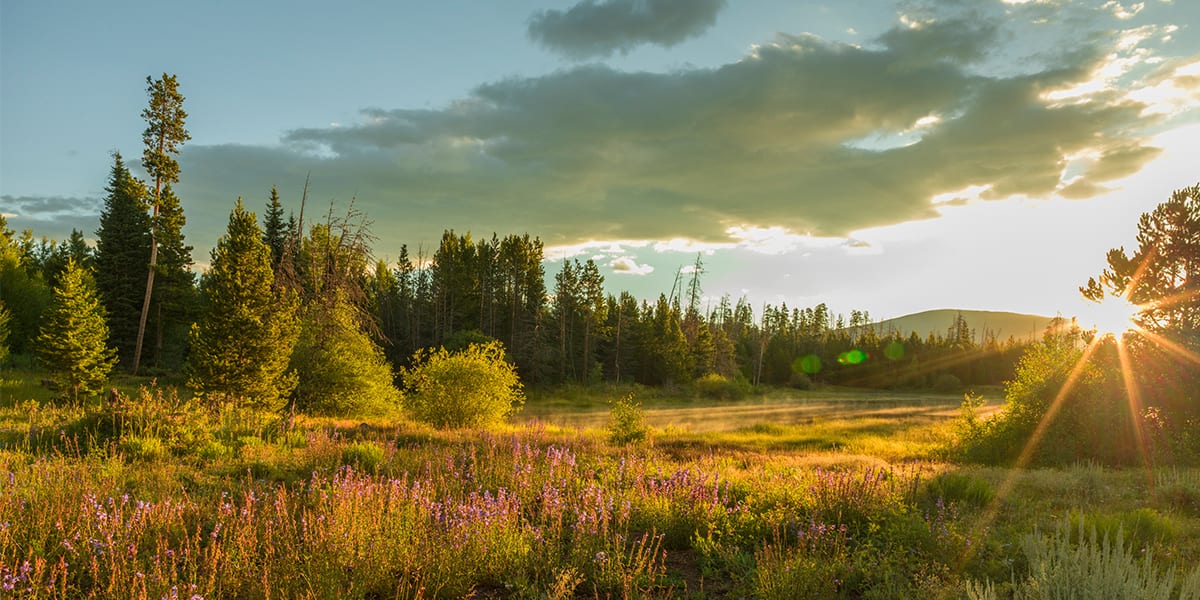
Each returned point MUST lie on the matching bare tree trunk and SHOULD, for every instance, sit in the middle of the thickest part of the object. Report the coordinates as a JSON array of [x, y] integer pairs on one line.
[[137, 348]]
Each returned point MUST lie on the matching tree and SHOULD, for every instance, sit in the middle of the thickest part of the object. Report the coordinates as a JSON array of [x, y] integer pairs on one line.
[[241, 346], [163, 135], [74, 336], [175, 299], [475, 387], [122, 253], [22, 290], [275, 229], [1163, 277]]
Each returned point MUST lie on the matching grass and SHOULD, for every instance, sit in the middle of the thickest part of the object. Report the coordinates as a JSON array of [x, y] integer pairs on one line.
[[834, 494]]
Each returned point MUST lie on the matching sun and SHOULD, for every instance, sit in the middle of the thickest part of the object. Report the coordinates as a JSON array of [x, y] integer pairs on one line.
[[1112, 316]]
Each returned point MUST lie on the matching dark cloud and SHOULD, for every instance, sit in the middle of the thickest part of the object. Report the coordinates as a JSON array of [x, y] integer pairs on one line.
[[593, 153], [599, 29], [52, 216]]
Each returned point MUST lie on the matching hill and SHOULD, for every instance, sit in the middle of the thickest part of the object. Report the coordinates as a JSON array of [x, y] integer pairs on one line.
[[1003, 324]]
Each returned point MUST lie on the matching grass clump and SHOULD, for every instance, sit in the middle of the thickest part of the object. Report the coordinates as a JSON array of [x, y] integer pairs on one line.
[[364, 456], [1097, 567]]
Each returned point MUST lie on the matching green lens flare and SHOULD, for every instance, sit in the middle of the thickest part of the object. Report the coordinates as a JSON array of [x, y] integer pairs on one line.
[[810, 364], [894, 351], [852, 357]]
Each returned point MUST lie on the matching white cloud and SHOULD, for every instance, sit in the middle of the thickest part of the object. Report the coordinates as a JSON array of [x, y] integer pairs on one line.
[[626, 265]]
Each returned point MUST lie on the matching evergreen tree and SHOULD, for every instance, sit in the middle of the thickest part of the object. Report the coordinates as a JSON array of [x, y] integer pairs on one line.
[[174, 299], [122, 253], [74, 337], [275, 229], [241, 346], [163, 135]]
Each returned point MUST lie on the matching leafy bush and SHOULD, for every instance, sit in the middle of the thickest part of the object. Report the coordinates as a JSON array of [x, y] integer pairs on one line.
[[718, 387], [340, 370], [476, 387], [627, 422], [147, 449]]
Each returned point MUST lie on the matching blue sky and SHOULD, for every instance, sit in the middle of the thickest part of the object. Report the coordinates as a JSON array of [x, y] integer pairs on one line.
[[892, 156]]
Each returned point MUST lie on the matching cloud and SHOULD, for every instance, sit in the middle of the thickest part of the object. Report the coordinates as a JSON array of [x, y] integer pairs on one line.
[[52, 216], [768, 141], [599, 29], [626, 265]]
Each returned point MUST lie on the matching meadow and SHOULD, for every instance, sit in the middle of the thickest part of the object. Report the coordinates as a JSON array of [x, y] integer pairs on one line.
[[782, 494]]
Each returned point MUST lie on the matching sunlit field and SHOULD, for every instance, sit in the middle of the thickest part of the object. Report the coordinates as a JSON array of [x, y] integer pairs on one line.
[[786, 494]]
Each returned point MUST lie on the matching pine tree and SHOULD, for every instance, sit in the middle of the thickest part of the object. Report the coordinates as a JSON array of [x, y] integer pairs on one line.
[[163, 135], [174, 300], [74, 337], [241, 346], [275, 229], [122, 253]]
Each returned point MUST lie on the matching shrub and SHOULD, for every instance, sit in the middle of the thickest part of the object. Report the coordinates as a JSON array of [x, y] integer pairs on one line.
[[476, 387], [147, 449], [718, 387], [627, 422], [1104, 567], [947, 383]]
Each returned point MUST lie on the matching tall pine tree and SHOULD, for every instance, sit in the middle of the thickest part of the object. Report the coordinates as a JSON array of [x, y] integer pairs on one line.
[[74, 337], [241, 346], [122, 253], [163, 135]]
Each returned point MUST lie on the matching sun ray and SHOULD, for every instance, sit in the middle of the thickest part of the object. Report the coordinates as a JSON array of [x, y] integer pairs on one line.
[[1170, 345], [991, 512], [1134, 397]]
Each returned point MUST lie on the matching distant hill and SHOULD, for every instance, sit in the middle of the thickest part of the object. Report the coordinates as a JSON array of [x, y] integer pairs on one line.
[[1003, 324]]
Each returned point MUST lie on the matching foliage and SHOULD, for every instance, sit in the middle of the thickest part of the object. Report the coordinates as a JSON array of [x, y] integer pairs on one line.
[[22, 289], [74, 337], [1063, 405], [719, 387], [175, 300], [5, 330], [122, 253], [627, 422], [1162, 279], [1095, 567], [340, 370], [241, 345], [476, 387]]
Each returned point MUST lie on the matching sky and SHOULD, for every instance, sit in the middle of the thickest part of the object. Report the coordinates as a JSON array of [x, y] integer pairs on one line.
[[892, 156]]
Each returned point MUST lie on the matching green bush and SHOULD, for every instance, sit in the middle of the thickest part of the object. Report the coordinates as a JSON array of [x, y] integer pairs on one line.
[[718, 387], [627, 422], [476, 387]]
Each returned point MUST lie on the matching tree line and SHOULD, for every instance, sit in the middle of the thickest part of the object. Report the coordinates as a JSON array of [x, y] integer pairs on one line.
[[301, 311]]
